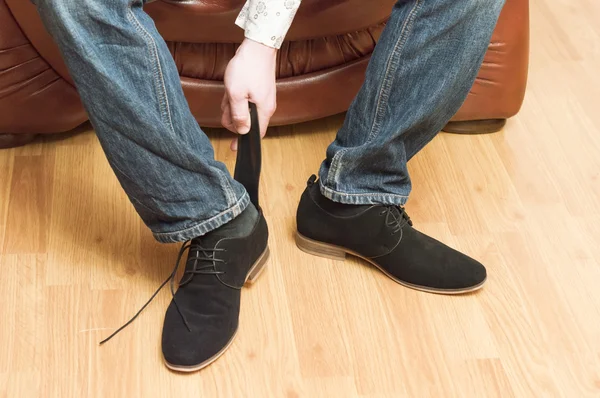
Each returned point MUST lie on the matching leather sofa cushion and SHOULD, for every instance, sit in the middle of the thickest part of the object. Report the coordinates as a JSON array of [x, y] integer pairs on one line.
[[207, 61]]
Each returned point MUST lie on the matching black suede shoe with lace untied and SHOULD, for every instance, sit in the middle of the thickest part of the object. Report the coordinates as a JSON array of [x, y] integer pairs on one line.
[[202, 319], [384, 236]]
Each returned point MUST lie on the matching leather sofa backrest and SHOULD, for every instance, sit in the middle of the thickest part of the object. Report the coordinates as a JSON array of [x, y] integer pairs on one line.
[[198, 21]]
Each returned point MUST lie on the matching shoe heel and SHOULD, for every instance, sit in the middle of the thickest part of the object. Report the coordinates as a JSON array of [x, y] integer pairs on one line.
[[319, 249], [258, 267]]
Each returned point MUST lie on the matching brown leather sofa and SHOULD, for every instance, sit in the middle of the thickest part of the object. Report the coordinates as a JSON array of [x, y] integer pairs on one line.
[[320, 67]]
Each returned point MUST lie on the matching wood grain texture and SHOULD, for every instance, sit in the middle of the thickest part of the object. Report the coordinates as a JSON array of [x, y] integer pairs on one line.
[[77, 262]]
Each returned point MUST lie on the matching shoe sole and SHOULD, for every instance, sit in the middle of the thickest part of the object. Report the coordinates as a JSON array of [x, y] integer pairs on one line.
[[339, 253], [252, 276]]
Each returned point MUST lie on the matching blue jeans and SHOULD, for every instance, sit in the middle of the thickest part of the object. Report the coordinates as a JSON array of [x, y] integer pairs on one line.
[[421, 71]]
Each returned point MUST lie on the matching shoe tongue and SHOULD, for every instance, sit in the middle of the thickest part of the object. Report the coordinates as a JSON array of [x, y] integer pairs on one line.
[[399, 215]]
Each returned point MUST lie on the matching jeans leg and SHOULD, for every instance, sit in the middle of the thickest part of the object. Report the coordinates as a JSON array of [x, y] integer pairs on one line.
[[131, 90], [420, 74]]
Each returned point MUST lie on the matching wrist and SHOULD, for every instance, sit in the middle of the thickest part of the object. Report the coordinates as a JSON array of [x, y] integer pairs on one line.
[[256, 48]]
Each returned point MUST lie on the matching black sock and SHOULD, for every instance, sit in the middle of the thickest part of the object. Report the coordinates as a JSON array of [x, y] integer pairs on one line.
[[240, 226]]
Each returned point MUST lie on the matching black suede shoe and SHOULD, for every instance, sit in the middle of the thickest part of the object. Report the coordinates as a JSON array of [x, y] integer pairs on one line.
[[383, 236], [202, 319]]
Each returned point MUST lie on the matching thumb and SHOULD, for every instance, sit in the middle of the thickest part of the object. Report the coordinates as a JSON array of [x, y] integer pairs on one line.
[[240, 114]]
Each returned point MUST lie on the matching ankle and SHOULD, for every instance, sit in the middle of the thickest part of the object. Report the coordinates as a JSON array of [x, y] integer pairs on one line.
[[338, 208], [242, 225]]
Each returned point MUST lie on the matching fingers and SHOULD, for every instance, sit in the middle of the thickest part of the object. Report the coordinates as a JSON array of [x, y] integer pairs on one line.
[[224, 101], [226, 115], [227, 122], [264, 116], [240, 115]]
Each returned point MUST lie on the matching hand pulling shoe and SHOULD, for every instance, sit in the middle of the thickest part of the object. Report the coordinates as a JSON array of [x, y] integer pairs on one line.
[[383, 236], [202, 319]]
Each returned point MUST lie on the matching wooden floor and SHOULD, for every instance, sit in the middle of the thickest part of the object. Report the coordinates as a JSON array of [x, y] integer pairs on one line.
[[76, 262]]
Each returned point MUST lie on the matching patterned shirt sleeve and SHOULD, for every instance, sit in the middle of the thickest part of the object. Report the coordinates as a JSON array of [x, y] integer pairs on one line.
[[267, 21]]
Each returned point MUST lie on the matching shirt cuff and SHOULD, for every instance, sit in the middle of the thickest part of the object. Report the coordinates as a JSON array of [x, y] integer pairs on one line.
[[267, 21]]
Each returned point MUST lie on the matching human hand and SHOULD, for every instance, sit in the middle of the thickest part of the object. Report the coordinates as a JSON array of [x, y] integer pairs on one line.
[[249, 77]]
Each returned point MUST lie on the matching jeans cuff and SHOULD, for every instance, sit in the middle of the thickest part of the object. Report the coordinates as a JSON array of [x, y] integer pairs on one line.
[[362, 198], [204, 227]]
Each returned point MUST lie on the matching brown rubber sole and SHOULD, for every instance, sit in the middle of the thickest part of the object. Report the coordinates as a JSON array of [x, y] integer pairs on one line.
[[338, 253], [252, 276]]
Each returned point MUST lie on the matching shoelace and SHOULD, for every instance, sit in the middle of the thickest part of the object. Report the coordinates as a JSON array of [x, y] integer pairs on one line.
[[396, 217], [199, 255]]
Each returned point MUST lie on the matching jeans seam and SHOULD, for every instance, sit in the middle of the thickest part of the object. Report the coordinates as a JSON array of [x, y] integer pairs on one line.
[[329, 193], [363, 194], [332, 176], [159, 79], [383, 95], [163, 99], [229, 192], [384, 92]]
